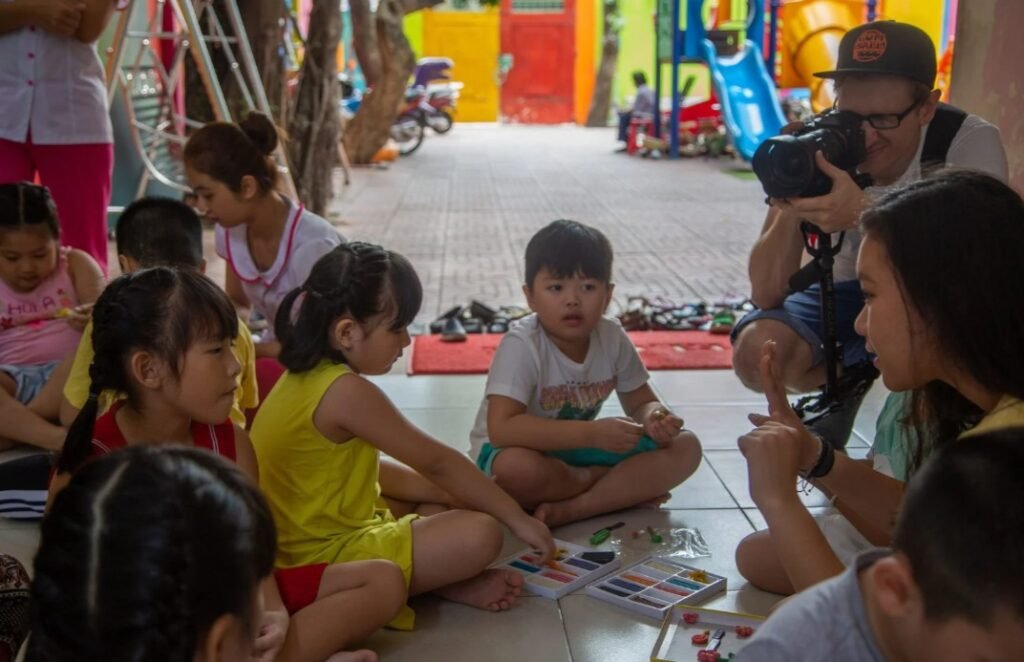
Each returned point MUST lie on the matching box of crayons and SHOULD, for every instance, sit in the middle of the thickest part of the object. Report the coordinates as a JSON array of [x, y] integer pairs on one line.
[[689, 630], [572, 567], [655, 585]]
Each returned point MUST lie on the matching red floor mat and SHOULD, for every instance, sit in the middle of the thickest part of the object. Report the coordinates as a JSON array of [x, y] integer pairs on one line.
[[660, 350]]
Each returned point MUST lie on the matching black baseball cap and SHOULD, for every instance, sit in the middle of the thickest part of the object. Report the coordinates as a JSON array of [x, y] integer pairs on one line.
[[887, 48]]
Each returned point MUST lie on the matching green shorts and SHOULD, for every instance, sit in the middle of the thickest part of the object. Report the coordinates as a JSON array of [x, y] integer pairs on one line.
[[577, 457]]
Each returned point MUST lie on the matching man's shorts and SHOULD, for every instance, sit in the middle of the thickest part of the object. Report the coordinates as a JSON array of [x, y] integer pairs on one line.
[[577, 457], [802, 313], [29, 379]]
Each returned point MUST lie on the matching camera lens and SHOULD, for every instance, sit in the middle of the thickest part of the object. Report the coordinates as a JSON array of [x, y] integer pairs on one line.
[[785, 165]]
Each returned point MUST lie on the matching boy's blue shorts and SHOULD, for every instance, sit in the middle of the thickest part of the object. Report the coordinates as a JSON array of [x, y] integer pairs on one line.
[[29, 379], [577, 457]]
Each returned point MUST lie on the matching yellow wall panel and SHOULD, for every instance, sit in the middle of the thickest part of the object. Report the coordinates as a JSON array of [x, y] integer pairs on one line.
[[471, 40]]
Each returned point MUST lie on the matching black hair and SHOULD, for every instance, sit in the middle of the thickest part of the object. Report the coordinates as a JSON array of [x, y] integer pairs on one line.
[[228, 152], [960, 528], [24, 204], [162, 311], [356, 279], [567, 248], [954, 240], [639, 78], [160, 232], [142, 552]]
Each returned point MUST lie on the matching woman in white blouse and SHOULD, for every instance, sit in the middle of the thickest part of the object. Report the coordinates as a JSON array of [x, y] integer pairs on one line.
[[54, 120]]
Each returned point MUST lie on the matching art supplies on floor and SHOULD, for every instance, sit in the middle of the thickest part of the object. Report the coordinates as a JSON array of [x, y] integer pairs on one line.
[[655, 585], [693, 633], [573, 567]]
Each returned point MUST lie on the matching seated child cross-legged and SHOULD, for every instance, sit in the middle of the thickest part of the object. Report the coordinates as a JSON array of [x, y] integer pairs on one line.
[[320, 432], [46, 292], [152, 554], [950, 589], [537, 431]]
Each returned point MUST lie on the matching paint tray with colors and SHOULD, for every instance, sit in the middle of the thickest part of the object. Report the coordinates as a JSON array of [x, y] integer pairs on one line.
[[655, 585], [569, 570], [685, 628]]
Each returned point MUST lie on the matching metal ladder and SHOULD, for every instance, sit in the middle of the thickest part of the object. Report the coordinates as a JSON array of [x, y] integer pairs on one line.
[[154, 90]]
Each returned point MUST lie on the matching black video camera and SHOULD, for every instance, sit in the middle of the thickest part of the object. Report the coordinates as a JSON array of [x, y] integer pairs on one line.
[[785, 164]]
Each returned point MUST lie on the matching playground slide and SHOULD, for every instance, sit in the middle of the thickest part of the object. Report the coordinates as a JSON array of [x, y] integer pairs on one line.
[[811, 31], [750, 104]]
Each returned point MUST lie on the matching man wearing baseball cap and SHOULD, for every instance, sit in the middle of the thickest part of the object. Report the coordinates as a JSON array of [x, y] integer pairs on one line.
[[885, 72]]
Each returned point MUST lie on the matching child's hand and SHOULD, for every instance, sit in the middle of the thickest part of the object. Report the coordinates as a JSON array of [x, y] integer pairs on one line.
[[271, 636], [616, 435], [79, 316], [662, 426], [534, 533]]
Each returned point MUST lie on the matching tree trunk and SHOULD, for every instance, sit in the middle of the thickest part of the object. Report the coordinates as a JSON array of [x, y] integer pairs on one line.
[[600, 104], [263, 24], [368, 130], [364, 41], [313, 132]]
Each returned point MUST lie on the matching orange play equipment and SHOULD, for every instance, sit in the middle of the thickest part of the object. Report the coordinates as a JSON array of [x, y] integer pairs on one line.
[[809, 35]]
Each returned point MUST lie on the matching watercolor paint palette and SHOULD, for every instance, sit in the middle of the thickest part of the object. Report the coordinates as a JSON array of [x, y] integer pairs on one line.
[[684, 625], [655, 585], [568, 571]]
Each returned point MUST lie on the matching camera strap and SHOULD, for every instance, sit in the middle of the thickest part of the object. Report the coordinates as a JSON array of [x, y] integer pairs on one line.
[[941, 131]]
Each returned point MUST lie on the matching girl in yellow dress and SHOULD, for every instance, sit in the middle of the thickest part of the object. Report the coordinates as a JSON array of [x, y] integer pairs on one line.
[[319, 435]]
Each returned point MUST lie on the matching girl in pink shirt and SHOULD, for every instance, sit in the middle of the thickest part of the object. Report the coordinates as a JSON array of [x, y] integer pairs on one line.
[[46, 294]]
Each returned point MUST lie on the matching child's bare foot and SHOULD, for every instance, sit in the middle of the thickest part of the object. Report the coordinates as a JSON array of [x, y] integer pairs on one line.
[[655, 503], [557, 513], [364, 655], [493, 589]]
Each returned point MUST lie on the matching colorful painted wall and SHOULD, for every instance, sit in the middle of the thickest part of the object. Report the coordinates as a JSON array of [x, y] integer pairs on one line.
[[986, 72], [437, 32]]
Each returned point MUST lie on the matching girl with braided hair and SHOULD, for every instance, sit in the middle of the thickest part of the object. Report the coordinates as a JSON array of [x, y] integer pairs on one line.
[[152, 554], [163, 337], [319, 436]]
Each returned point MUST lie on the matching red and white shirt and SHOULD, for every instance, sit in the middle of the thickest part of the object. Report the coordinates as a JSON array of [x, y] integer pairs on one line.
[[307, 237], [107, 437]]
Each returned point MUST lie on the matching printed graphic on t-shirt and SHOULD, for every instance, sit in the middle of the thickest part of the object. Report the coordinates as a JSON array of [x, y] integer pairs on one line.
[[26, 313], [576, 402]]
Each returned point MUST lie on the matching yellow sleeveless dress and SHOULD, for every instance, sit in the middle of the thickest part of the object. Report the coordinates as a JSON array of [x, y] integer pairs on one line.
[[324, 496]]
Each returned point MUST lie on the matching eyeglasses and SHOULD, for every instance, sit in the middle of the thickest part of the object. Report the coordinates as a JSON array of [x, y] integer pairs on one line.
[[885, 121]]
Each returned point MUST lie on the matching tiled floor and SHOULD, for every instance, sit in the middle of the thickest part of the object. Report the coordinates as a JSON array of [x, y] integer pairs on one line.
[[715, 500], [462, 209]]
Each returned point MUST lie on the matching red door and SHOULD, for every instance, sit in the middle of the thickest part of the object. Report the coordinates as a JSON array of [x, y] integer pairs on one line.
[[538, 41]]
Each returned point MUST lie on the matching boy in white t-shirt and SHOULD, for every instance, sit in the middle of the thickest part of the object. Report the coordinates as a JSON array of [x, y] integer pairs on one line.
[[537, 432]]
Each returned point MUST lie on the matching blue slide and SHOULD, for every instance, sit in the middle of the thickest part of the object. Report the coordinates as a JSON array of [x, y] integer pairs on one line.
[[750, 104]]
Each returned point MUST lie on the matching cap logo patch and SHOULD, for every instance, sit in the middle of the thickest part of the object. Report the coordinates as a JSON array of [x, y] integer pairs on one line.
[[870, 46]]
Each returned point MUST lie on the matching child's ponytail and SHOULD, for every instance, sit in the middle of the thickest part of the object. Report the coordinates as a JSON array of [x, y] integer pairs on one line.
[[79, 437], [355, 279], [228, 152]]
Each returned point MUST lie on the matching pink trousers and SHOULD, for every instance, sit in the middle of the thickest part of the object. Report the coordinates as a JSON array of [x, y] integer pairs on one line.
[[79, 179]]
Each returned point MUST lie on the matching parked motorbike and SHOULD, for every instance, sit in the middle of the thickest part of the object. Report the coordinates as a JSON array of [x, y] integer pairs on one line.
[[409, 127], [441, 98], [435, 75]]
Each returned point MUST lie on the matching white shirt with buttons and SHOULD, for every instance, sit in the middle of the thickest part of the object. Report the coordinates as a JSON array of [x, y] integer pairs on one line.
[[52, 87]]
